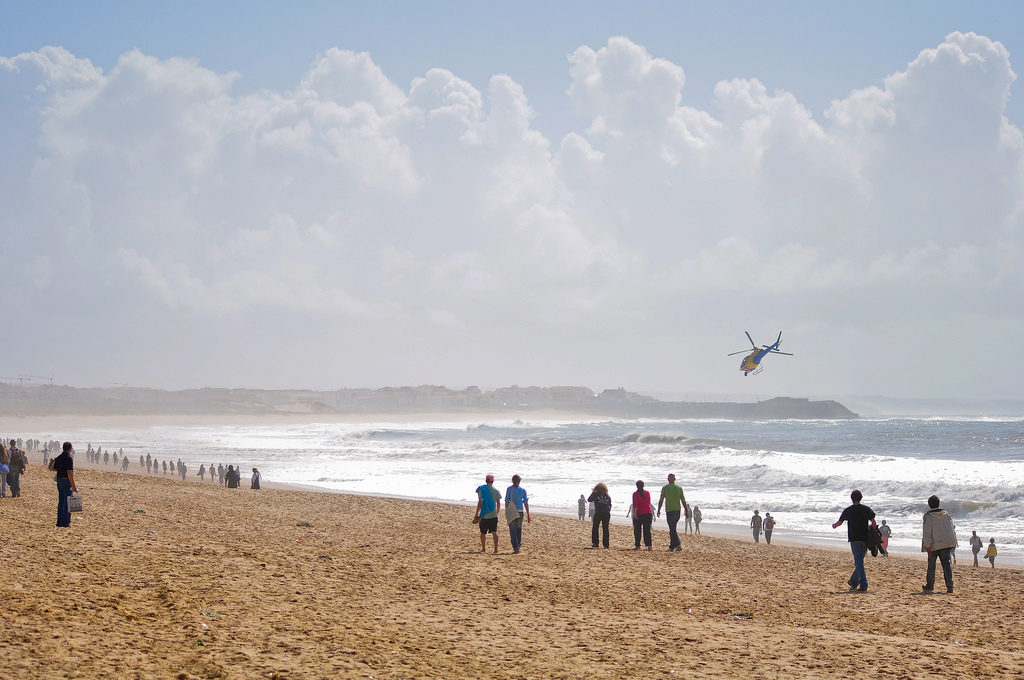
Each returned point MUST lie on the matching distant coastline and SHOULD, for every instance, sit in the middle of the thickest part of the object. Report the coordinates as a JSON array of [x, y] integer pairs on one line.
[[55, 400]]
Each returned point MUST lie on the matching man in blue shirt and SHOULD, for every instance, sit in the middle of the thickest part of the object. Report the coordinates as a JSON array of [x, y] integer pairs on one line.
[[488, 502], [515, 495]]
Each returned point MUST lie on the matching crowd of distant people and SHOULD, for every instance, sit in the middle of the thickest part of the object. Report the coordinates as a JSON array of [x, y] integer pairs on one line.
[[59, 458]]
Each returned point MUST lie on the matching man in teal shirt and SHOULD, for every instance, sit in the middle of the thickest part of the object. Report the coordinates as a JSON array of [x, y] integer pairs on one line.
[[674, 500], [488, 502]]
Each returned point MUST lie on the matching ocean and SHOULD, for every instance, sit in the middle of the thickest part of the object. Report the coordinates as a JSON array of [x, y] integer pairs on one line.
[[800, 471]]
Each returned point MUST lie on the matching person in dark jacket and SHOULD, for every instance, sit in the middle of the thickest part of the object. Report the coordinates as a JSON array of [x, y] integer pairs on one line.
[[232, 478], [64, 466], [602, 512], [857, 516]]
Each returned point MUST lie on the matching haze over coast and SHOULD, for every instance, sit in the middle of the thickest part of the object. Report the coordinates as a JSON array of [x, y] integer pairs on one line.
[[42, 400]]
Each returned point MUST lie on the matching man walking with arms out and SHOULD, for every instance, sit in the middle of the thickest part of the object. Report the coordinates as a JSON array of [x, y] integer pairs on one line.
[[857, 517], [674, 499], [938, 540]]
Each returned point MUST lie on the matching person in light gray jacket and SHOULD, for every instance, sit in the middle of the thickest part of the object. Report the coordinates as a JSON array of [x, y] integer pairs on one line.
[[938, 539]]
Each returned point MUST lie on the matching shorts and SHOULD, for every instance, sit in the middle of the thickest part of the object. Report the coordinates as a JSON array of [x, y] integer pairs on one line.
[[489, 525]]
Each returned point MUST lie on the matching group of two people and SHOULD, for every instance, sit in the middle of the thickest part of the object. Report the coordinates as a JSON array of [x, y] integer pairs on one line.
[[938, 539], [767, 524], [12, 465], [642, 509], [488, 504]]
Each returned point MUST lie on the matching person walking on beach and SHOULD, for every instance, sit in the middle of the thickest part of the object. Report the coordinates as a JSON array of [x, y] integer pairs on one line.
[[255, 483], [643, 516], [768, 525], [64, 466], [515, 495], [5, 468], [938, 538], [857, 517], [601, 513], [976, 544], [990, 553], [232, 477], [886, 532], [583, 507], [755, 524], [124, 463], [17, 462], [202, 473], [697, 517], [488, 502], [688, 527], [674, 499]]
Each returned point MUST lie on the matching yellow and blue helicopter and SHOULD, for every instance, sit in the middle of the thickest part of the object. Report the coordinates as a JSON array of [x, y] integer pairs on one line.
[[752, 362]]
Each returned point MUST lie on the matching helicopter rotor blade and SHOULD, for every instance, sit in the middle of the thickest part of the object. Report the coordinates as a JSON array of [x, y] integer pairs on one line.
[[788, 354], [752, 344], [742, 351]]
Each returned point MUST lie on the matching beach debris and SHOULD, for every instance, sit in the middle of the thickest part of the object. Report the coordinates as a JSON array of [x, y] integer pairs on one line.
[[325, 557], [213, 614], [140, 511], [959, 644], [303, 524]]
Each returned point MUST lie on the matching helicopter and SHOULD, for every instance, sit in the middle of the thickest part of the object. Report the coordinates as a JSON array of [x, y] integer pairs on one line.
[[752, 362]]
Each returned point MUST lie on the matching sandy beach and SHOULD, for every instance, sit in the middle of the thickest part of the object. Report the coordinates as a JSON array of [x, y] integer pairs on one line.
[[159, 578]]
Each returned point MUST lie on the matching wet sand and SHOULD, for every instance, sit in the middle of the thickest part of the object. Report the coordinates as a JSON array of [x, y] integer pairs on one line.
[[207, 582]]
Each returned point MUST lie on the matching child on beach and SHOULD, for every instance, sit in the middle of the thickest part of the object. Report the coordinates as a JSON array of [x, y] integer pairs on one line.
[[990, 554]]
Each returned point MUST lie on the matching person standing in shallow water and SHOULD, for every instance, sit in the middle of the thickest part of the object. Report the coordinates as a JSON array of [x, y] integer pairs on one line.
[[64, 466], [857, 517]]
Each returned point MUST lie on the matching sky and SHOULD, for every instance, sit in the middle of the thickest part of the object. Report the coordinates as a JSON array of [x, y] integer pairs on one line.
[[368, 194]]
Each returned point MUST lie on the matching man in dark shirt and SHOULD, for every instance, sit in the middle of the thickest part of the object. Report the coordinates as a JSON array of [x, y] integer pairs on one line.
[[64, 466], [857, 517]]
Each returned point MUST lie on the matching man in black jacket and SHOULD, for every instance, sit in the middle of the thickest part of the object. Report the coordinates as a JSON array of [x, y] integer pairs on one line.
[[857, 517]]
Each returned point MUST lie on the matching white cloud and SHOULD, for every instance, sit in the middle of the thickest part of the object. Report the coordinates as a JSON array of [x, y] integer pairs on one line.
[[369, 213]]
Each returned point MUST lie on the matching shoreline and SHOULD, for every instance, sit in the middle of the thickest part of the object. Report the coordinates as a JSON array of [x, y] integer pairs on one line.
[[784, 538]]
